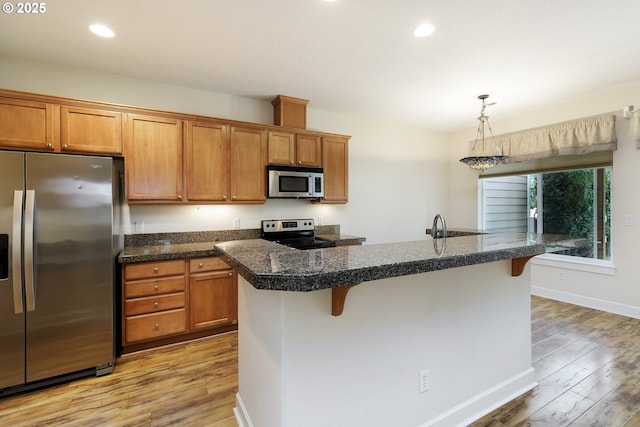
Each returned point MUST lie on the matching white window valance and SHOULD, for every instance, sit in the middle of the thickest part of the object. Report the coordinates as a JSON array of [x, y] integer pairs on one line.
[[574, 137]]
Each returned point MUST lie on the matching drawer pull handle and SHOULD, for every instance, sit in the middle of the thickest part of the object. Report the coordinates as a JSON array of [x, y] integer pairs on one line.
[[156, 326], [156, 287], [156, 304], [201, 265], [156, 269], [230, 274]]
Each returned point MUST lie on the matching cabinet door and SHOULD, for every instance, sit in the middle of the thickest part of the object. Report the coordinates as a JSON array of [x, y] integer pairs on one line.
[[207, 161], [308, 150], [90, 130], [281, 148], [153, 153], [248, 164], [28, 125], [212, 299], [335, 161]]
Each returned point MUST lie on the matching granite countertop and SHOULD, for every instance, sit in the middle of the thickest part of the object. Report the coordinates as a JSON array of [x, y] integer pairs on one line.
[[268, 265], [162, 247]]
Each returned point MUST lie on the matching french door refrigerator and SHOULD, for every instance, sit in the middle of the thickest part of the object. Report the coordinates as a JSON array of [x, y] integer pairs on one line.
[[58, 243]]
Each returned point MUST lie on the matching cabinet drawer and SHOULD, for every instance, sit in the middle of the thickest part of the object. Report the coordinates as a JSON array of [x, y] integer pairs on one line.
[[145, 288], [154, 304], [146, 270], [149, 326], [207, 264]]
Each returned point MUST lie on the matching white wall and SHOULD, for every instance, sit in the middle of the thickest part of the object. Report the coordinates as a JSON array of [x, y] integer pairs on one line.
[[300, 366], [569, 282], [397, 175]]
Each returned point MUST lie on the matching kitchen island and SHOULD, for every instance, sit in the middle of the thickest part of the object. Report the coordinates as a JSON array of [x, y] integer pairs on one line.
[[437, 332]]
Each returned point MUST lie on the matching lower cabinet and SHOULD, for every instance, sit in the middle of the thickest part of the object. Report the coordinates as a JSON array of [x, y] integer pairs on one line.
[[212, 294], [170, 301]]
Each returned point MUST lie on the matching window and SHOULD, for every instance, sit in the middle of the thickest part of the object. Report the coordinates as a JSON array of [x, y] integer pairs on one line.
[[574, 202]]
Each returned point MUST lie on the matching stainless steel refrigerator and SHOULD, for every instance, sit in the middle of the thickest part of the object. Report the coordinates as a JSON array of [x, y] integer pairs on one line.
[[59, 238]]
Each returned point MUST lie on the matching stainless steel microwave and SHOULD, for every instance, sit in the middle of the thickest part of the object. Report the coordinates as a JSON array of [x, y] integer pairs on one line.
[[291, 182]]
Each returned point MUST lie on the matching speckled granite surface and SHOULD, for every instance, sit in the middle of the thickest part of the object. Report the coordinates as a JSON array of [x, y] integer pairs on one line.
[[164, 246], [268, 265]]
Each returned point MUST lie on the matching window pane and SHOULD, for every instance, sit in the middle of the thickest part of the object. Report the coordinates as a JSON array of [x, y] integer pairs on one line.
[[575, 203]]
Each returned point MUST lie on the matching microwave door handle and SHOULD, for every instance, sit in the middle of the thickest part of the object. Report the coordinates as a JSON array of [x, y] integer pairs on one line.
[[16, 251], [29, 267]]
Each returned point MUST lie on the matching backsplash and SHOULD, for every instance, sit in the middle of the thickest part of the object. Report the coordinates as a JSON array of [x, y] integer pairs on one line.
[[134, 240]]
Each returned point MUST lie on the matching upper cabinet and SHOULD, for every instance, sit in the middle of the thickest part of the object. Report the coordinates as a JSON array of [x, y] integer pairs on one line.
[[90, 130], [42, 126], [207, 161], [177, 158], [248, 164], [335, 161], [153, 158], [28, 125], [301, 149]]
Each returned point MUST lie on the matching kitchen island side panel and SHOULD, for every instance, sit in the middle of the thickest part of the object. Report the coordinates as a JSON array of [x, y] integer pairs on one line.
[[469, 327]]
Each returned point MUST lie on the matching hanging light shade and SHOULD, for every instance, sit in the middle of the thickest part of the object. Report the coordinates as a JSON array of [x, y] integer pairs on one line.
[[484, 161]]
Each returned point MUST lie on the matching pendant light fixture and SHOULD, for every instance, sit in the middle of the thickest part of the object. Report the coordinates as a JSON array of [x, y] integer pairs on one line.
[[484, 161]]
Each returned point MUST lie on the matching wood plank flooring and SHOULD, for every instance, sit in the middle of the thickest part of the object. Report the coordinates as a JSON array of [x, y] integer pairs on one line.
[[587, 366], [187, 384]]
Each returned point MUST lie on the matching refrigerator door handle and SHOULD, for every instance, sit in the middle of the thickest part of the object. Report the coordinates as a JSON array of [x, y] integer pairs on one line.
[[29, 267], [16, 253]]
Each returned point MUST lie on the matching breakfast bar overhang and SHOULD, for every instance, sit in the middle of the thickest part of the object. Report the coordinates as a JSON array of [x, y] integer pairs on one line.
[[453, 311]]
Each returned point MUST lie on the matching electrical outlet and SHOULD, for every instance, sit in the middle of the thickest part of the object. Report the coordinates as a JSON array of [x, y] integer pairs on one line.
[[236, 222], [424, 380], [319, 220]]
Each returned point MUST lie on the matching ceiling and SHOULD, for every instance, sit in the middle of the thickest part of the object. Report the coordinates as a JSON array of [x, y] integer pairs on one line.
[[352, 56]]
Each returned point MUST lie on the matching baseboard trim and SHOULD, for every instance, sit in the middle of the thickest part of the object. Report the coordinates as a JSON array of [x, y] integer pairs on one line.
[[485, 402], [598, 304], [241, 414]]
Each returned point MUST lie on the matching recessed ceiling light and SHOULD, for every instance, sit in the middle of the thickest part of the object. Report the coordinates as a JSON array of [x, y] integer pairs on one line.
[[101, 30], [424, 30]]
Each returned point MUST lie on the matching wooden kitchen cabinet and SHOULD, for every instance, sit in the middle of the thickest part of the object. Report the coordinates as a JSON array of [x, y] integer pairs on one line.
[[248, 160], [207, 161], [301, 149], [153, 158], [154, 300], [170, 301], [212, 293], [90, 130], [29, 125], [335, 161]]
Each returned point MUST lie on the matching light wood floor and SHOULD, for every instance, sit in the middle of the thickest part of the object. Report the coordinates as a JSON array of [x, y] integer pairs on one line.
[[190, 384], [587, 365]]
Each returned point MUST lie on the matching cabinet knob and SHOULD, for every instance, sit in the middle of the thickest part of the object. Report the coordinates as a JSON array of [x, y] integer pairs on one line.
[[201, 265], [179, 197], [224, 197], [233, 197], [156, 326], [49, 145], [230, 274], [156, 304], [156, 269], [156, 287], [64, 146], [292, 162], [299, 162]]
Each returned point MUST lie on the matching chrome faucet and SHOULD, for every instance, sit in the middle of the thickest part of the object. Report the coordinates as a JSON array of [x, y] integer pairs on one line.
[[434, 227]]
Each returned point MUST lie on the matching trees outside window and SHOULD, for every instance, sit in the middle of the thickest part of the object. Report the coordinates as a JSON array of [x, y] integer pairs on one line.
[[574, 203]]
